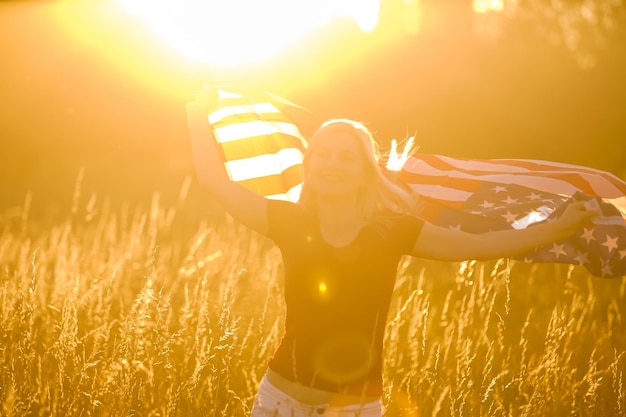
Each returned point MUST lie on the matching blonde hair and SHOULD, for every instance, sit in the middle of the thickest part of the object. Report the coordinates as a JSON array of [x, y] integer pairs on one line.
[[380, 192]]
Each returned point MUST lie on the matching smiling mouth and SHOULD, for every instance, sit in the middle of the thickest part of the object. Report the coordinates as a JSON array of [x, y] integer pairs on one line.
[[331, 178]]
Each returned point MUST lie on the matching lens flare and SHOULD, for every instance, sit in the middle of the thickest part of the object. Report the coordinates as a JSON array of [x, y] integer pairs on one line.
[[244, 31]]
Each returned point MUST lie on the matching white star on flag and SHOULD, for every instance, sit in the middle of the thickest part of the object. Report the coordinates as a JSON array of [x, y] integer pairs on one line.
[[588, 235], [610, 243], [581, 258], [510, 217], [557, 250], [499, 189]]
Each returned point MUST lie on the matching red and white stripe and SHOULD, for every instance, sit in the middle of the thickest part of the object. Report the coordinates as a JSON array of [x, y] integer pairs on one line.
[[453, 180], [262, 149]]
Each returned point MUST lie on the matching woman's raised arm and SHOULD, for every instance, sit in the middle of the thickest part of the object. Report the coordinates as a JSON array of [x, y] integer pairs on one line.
[[444, 244], [244, 205]]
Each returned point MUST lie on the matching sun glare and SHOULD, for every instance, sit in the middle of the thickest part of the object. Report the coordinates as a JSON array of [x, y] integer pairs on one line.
[[243, 31], [484, 6]]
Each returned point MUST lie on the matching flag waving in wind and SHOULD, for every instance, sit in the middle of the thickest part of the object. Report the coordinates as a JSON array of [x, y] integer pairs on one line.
[[263, 149], [481, 195]]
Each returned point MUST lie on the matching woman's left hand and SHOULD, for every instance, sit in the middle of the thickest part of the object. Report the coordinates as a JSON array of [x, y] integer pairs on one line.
[[575, 216]]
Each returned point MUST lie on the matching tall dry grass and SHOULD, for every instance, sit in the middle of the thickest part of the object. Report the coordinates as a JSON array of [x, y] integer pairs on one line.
[[129, 311]]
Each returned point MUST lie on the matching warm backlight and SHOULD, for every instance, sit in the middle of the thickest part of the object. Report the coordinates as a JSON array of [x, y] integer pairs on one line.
[[484, 6], [243, 31]]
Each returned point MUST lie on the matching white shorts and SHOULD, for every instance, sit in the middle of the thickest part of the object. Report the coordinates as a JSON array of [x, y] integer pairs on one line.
[[272, 402]]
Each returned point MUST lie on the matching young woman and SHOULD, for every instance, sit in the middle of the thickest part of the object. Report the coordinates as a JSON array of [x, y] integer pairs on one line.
[[341, 246]]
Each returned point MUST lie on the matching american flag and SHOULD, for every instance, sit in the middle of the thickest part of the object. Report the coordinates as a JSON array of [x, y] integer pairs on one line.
[[477, 195], [263, 149]]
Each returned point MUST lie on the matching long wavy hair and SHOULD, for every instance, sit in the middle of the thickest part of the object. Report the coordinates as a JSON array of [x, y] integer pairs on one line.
[[379, 192]]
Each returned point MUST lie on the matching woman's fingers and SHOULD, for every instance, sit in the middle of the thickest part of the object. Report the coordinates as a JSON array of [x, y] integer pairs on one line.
[[582, 211]]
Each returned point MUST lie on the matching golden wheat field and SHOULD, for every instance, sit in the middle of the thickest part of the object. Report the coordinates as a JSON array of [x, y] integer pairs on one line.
[[129, 311]]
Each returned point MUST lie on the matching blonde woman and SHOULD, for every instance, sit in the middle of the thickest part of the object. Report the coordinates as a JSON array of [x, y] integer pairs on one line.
[[341, 246]]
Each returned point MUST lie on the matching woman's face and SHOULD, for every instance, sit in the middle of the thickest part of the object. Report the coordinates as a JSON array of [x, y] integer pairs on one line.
[[336, 166]]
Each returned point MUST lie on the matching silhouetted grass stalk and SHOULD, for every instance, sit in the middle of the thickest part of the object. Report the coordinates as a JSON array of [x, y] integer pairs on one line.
[[114, 312]]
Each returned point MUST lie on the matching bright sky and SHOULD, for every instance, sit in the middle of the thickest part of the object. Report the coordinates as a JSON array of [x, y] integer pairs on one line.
[[152, 41], [244, 31], [90, 77]]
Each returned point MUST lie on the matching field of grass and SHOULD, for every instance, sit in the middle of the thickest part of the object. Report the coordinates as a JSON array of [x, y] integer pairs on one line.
[[132, 311]]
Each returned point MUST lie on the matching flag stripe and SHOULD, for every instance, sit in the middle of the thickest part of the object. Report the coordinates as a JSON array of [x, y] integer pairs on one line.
[[540, 165], [465, 181], [457, 180], [241, 114], [509, 165], [250, 110], [244, 130], [588, 180], [263, 165], [261, 147], [606, 186], [293, 194], [256, 145], [439, 192], [277, 183]]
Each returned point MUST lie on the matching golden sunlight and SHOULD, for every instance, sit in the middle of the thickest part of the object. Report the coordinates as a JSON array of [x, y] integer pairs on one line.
[[484, 6], [244, 31]]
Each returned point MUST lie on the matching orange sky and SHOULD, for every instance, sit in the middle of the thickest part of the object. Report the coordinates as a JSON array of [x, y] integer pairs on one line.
[[106, 94]]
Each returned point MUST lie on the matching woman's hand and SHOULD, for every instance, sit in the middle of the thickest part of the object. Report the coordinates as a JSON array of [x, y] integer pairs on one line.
[[574, 217]]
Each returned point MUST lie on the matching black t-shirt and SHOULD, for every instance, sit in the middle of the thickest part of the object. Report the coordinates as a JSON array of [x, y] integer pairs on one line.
[[337, 298]]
